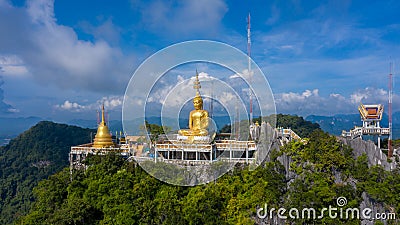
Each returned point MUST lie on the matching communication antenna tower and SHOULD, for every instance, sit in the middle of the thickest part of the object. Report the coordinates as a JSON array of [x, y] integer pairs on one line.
[[390, 147], [249, 67]]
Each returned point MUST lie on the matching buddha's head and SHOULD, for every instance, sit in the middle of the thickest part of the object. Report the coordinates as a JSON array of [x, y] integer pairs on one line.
[[198, 102]]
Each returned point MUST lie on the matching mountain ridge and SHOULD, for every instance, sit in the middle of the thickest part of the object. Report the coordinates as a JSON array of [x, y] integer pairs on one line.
[[11, 127], [336, 123], [32, 156]]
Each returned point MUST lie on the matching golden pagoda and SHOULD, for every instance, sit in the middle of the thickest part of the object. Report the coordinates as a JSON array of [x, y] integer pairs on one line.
[[103, 137], [101, 145]]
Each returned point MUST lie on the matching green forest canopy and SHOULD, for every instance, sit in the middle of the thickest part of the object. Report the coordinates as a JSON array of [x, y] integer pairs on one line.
[[114, 191], [32, 156]]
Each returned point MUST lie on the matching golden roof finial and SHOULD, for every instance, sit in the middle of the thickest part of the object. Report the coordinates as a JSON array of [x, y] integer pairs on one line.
[[103, 121], [196, 84]]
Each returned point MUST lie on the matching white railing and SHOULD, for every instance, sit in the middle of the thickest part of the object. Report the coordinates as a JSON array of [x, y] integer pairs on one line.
[[234, 145], [185, 147], [359, 131], [91, 150], [289, 134]]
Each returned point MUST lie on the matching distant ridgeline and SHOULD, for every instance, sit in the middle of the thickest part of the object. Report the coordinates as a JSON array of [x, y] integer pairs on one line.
[[337, 123], [32, 156], [11, 127]]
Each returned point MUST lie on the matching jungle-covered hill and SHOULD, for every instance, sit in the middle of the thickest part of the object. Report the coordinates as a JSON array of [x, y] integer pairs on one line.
[[114, 191], [32, 156]]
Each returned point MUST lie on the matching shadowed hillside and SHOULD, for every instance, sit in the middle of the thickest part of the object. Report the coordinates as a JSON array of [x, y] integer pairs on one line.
[[32, 156]]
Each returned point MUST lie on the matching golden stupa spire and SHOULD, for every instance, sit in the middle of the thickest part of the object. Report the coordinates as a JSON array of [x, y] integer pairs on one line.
[[103, 137], [196, 85], [103, 120]]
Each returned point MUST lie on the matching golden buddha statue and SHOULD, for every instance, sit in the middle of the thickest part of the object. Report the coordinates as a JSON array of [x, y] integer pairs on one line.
[[198, 118]]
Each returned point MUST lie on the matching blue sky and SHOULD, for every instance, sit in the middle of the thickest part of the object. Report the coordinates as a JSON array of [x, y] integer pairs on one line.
[[61, 59]]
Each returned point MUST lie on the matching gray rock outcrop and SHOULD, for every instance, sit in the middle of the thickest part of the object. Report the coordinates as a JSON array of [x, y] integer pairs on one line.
[[270, 140], [374, 154]]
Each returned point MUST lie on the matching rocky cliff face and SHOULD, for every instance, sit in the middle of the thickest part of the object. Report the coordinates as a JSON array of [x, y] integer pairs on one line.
[[269, 141], [375, 155]]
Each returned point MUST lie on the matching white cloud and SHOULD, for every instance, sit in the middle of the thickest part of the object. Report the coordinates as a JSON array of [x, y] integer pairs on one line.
[[183, 17], [357, 97], [245, 74], [110, 103], [202, 76], [71, 106], [227, 98], [310, 102], [13, 110], [12, 65], [337, 96], [107, 30], [42, 11], [4, 107], [234, 76], [369, 96], [296, 97], [55, 55], [170, 98], [180, 78], [180, 92]]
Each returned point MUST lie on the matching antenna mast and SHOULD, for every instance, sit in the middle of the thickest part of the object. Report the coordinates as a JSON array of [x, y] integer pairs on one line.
[[390, 147], [249, 67], [237, 123], [212, 99]]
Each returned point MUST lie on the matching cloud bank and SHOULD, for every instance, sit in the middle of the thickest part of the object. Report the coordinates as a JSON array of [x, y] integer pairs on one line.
[[4, 107], [310, 102], [110, 103], [177, 18], [54, 55]]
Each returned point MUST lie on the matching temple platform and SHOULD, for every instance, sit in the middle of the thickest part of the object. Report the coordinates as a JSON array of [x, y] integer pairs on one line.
[[182, 152], [79, 153]]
